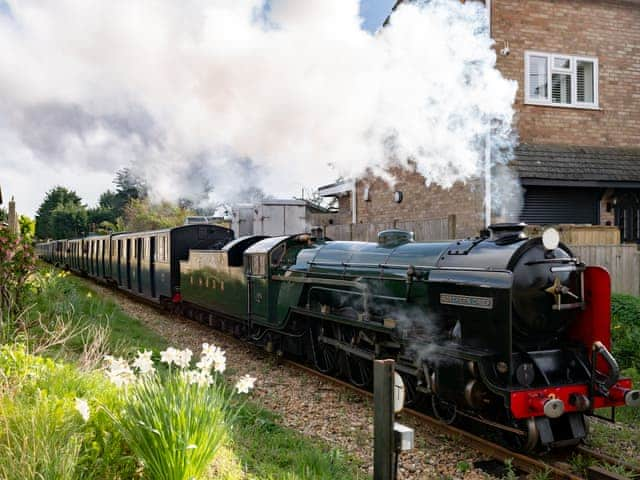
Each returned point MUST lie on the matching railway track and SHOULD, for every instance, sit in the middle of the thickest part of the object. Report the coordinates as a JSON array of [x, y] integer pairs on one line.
[[557, 468]]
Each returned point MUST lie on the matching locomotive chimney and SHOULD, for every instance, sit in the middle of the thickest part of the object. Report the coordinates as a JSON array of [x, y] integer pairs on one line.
[[501, 231]]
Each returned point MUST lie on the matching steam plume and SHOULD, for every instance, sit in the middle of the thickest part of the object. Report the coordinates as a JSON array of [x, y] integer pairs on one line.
[[219, 95]]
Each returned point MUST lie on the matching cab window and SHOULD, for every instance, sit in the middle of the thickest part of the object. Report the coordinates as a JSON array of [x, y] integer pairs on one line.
[[258, 265]]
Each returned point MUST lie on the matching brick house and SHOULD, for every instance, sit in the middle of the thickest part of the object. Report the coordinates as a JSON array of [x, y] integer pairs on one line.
[[577, 64]]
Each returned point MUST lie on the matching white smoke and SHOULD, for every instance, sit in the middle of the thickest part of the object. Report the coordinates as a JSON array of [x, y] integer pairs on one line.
[[276, 95]]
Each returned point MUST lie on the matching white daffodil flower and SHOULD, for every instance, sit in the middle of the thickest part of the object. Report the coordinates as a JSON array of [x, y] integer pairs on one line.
[[82, 406], [169, 355], [183, 358], [143, 362], [118, 371], [245, 383]]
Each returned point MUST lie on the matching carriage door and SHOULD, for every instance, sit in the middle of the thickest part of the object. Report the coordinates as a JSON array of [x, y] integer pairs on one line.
[[152, 265], [139, 252], [128, 263], [258, 286], [103, 266]]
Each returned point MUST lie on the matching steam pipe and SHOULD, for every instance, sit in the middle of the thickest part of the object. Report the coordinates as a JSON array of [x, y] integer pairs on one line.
[[487, 181]]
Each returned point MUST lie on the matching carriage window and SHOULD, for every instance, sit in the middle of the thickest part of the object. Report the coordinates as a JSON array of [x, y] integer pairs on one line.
[[258, 265], [161, 253]]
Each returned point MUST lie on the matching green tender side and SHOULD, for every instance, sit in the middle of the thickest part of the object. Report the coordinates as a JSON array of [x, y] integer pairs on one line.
[[207, 280]]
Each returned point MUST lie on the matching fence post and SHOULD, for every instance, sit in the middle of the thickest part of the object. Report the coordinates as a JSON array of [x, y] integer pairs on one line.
[[383, 442], [451, 227]]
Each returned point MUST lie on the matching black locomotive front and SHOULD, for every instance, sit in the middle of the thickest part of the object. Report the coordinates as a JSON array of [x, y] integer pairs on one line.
[[528, 336]]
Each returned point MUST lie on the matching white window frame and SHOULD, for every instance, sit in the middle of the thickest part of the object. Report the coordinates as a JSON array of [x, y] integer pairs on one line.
[[572, 70]]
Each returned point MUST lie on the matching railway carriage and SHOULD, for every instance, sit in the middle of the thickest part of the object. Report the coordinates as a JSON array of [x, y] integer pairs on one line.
[[147, 263]]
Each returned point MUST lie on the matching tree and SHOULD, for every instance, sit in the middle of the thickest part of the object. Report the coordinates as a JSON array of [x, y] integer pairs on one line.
[[57, 198], [69, 221], [4, 215], [27, 227], [140, 214], [129, 186]]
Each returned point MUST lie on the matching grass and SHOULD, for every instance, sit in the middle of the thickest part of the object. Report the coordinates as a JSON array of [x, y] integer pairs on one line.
[[267, 450], [258, 446], [57, 294]]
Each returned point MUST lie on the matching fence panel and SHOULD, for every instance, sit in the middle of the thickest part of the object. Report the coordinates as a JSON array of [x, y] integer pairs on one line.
[[622, 261], [424, 230]]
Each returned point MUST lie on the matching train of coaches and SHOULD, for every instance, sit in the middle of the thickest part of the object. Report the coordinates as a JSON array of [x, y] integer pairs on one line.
[[511, 331]]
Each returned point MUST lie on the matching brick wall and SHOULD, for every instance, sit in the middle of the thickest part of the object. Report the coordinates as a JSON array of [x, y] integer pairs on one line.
[[421, 203], [608, 30]]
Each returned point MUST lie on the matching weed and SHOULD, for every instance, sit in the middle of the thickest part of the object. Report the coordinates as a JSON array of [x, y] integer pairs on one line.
[[509, 470], [463, 466]]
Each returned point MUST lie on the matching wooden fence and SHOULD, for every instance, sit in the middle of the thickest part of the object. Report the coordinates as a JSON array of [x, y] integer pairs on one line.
[[622, 261], [424, 230], [581, 234]]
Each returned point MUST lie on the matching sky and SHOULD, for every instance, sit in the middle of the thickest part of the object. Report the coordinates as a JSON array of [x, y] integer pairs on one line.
[[373, 13], [216, 101]]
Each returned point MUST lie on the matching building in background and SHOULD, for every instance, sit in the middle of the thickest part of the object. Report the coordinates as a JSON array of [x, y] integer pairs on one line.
[[277, 217], [577, 65]]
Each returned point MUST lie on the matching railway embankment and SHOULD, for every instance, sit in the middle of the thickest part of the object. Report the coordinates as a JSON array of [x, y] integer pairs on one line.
[[58, 408]]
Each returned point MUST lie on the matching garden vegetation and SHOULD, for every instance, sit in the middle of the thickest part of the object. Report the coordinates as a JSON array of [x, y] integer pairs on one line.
[[87, 392]]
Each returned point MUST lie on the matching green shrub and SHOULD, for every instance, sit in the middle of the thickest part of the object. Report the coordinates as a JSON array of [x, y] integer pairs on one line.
[[17, 261], [42, 433], [41, 439], [625, 330]]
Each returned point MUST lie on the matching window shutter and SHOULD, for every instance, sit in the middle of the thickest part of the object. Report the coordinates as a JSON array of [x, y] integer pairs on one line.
[[584, 81], [538, 77], [561, 88]]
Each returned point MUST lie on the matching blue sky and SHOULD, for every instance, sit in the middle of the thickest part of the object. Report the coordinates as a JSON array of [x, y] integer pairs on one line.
[[372, 11]]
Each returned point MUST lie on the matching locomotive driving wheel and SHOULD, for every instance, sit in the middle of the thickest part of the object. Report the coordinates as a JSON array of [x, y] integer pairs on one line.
[[358, 370], [325, 356], [444, 411]]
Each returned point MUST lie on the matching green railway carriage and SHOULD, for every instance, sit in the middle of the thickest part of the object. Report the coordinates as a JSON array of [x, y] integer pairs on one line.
[[75, 255], [147, 263], [142, 263]]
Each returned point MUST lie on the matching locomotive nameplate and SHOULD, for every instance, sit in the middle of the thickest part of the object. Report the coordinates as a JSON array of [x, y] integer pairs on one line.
[[466, 301]]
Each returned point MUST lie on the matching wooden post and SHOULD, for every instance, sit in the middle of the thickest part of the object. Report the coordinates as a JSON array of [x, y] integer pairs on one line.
[[383, 443], [451, 222], [14, 225]]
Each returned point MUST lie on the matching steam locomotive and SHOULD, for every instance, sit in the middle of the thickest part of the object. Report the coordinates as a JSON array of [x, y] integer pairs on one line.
[[510, 331]]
